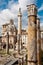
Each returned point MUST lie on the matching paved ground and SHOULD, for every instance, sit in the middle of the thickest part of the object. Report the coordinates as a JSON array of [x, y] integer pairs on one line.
[[3, 59], [7, 60]]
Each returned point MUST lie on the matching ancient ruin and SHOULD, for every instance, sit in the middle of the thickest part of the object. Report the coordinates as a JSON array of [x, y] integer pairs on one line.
[[22, 47]]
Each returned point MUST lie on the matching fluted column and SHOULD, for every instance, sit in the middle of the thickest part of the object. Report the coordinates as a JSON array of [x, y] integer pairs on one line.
[[32, 35]]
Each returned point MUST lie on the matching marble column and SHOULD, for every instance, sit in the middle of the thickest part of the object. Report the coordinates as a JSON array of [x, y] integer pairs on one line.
[[32, 35], [19, 29]]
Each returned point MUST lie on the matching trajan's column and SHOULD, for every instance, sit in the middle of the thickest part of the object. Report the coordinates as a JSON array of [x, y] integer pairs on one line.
[[19, 29], [32, 35], [38, 42]]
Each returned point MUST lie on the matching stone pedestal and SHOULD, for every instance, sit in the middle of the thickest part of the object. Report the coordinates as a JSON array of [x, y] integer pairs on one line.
[[32, 35]]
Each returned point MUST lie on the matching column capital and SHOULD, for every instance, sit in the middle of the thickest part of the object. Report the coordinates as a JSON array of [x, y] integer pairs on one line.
[[19, 13], [32, 10]]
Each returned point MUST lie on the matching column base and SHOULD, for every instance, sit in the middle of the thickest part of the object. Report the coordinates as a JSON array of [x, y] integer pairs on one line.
[[31, 62]]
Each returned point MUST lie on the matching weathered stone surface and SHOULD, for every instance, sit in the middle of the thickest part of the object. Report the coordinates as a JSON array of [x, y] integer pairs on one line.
[[32, 34], [38, 42], [19, 30]]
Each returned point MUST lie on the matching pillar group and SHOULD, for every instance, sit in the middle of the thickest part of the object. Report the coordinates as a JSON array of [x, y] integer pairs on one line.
[[33, 45]]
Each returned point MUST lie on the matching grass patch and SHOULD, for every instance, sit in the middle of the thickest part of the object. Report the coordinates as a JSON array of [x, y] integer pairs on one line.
[[3, 51]]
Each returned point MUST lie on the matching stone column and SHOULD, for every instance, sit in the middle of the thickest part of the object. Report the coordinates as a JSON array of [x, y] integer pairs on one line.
[[11, 27], [26, 59], [19, 29], [14, 43], [7, 44], [32, 35], [38, 42]]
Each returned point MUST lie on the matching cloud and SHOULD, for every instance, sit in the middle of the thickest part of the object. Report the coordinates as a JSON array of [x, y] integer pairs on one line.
[[5, 16], [41, 24], [14, 7], [41, 8], [12, 11], [24, 3], [2, 2], [21, 4], [39, 16]]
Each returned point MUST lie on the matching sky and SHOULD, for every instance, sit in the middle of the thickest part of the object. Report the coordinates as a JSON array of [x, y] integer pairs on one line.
[[9, 10]]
